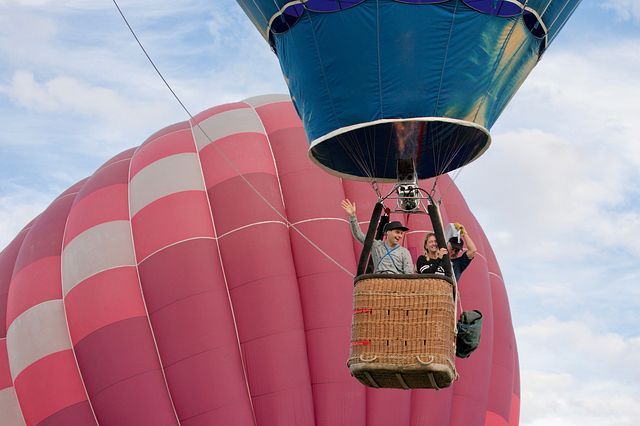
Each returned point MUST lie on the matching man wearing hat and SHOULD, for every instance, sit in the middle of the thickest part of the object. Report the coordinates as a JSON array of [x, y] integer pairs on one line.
[[388, 255], [459, 259]]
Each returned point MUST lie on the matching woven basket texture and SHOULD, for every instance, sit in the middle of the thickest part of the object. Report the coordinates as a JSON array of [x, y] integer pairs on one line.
[[402, 330]]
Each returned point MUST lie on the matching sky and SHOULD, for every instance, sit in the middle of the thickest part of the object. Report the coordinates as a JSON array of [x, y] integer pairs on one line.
[[557, 193]]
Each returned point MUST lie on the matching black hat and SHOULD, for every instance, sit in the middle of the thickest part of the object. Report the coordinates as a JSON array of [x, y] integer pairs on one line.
[[395, 225], [456, 243]]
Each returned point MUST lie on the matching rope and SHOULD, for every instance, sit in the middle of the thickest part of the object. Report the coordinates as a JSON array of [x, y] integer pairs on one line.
[[225, 157]]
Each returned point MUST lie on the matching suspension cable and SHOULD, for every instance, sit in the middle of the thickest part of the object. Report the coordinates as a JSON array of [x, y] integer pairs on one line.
[[225, 157]]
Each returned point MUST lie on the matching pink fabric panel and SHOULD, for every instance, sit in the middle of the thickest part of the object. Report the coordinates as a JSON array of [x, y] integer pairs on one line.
[[494, 419], [503, 348], [176, 217], [217, 110], [104, 177], [194, 264], [278, 378], [253, 159], [50, 385], [271, 334], [195, 331], [431, 408], [207, 384], [162, 132], [7, 262], [388, 406], [252, 210], [514, 415], [124, 155], [121, 369], [106, 314], [72, 190], [102, 205], [258, 260], [188, 302], [76, 414], [5, 374], [102, 299], [175, 142], [139, 400], [45, 237], [279, 115], [33, 285]]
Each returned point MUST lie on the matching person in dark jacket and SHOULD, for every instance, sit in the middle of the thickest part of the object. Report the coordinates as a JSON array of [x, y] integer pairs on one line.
[[432, 261], [461, 259]]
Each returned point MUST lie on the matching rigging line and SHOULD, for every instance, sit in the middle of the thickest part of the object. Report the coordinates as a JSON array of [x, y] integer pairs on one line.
[[458, 172], [443, 191], [149, 58], [365, 150], [266, 20], [370, 141], [386, 156], [440, 146], [351, 144], [452, 149], [353, 151], [444, 146], [455, 148], [226, 158], [563, 22], [546, 8]]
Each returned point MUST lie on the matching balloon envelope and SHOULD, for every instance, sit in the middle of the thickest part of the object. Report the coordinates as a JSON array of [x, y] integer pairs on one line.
[[200, 279], [374, 81]]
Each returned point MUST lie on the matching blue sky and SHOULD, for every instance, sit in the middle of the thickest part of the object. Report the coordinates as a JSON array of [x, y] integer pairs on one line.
[[557, 193]]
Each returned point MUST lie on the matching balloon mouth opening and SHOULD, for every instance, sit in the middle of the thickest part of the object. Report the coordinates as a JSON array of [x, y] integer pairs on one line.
[[369, 151]]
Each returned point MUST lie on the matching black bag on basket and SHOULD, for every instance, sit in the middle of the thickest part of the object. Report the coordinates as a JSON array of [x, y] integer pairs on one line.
[[469, 327]]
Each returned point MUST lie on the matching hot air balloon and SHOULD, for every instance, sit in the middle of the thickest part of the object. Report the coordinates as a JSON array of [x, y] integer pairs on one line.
[[375, 81], [193, 280], [402, 90]]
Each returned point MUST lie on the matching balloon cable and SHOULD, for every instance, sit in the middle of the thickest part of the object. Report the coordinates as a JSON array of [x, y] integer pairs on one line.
[[225, 157]]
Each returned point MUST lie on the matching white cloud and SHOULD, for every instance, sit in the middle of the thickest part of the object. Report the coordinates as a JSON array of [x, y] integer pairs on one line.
[[18, 207], [572, 375], [561, 399], [565, 158], [625, 9]]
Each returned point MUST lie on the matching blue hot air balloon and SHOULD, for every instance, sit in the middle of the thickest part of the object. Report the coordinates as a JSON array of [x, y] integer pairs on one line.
[[375, 81]]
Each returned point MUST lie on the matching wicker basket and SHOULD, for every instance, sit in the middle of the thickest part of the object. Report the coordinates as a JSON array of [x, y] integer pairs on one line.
[[403, 332]]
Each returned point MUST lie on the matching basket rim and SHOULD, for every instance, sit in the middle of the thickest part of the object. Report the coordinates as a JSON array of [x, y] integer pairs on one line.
[[359, 278]]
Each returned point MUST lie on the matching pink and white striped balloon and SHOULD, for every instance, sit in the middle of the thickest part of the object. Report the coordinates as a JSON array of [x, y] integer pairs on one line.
[[173, 287]]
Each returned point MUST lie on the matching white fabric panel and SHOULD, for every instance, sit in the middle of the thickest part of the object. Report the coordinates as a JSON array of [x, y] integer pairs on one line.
[[227, 123], [176, 173], [37, 332], [10, 414], [104, 246], [258, 101]]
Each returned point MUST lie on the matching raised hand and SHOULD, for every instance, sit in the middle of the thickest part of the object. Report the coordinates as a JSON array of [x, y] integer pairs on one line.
[[349, 207]]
